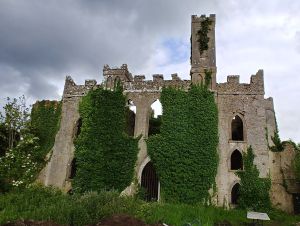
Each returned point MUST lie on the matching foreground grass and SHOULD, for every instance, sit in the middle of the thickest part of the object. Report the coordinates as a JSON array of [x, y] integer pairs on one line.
[[48, 204]]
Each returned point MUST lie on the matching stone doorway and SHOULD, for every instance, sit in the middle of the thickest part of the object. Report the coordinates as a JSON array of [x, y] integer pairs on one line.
[[235, 193], [150, 183]]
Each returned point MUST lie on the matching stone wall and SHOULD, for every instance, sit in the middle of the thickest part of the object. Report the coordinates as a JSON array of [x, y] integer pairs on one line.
[[246, 101]]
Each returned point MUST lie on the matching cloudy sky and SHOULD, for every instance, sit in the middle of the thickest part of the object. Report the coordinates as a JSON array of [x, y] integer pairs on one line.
[[43, 41]]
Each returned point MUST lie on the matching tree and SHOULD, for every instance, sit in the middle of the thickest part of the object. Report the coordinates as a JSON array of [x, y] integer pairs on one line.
[[254, 192], [15, 119], [17, 164]]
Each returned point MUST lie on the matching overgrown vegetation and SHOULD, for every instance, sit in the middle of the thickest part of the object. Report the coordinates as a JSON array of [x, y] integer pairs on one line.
[[185, 152], [46, 204], [27, 139], [203, 38], [254, 191], [105, 154], [45, 122]]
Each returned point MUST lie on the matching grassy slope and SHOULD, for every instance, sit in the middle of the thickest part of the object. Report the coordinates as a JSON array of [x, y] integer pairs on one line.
[[47, 204]]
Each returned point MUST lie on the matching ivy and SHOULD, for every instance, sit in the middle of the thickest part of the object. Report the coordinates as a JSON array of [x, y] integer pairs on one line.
[[203, 38], [105, 154], [254, 191], [185, 152], [278, 145], [45, 122]]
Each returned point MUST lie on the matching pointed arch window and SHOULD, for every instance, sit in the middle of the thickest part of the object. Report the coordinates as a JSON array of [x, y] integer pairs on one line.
[[237, 129], [236, 160]]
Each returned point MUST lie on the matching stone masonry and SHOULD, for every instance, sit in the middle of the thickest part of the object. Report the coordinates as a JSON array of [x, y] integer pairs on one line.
[[234, 99]]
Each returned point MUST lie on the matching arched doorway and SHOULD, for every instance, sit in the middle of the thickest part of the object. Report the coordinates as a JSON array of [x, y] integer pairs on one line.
[[149, 182], [236, 160], [237, 129], [235, 192]]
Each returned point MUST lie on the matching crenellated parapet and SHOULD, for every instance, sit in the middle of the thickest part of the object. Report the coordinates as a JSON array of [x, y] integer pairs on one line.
[[233, 85], [139, 84], [71, 89]]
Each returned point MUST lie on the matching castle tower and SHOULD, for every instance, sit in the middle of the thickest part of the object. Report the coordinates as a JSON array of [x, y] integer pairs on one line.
[[203, 52], [114, 75]]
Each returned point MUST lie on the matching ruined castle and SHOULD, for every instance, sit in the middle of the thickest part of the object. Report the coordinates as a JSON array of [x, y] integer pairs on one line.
[[244, 117]]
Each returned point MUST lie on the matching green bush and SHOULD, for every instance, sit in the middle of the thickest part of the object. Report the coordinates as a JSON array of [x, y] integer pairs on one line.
[[105, 154], [185, 152], [254, 191], [48, 204]]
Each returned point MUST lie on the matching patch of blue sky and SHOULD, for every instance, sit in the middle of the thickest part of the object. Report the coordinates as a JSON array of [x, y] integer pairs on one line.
[[178, 50]]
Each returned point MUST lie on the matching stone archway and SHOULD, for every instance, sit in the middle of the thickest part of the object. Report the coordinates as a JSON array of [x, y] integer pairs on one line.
[[150, 183], [235, 192]]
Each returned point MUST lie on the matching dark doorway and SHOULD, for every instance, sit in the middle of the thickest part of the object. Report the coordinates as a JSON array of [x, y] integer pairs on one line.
[[296, 200], [73, 169], [237, 129], [235, 192], [236, 160], [150, 182]]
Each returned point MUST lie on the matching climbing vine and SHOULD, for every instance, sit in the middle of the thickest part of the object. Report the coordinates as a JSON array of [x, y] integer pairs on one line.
[[105, 154], [254, 191], [203, 38], [45, 122], [185, 152]]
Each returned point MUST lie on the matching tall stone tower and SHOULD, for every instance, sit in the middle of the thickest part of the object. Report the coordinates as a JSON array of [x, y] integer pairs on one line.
[[203, 52]]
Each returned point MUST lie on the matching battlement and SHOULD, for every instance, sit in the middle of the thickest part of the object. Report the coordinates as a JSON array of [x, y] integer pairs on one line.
[[71, 89], [196, 18], [233, 85], [139, 84], [121, 73]]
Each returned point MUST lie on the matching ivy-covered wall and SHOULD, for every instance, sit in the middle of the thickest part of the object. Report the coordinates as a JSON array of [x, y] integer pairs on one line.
[[45, 121], [185, 152], [254, 191], [203, 38], [105, 154]]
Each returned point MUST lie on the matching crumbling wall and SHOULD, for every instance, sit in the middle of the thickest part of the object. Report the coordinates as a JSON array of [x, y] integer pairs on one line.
[[246, 101]]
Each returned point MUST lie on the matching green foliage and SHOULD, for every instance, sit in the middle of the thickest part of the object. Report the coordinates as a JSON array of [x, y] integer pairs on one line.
[[3, 139], [254, 191], [203, 39], [154, 125], [296, 161], [105, 155], [277, 144], [47, 204], [185, 152], [45, 121], [28, 141]]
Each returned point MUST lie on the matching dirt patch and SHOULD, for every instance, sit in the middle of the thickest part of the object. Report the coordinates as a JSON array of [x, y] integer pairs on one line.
[[123, 220], [116, 220], [31, 223]]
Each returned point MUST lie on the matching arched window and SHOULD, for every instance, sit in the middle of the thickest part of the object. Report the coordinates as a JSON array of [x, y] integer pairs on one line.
[[236, 160], [130, 117], [237, 129], [235, 193], [155, 118], [73, 169], [149, 182]]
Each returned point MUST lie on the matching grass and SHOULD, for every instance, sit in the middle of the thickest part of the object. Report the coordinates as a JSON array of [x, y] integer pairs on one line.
[[38, 203]]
